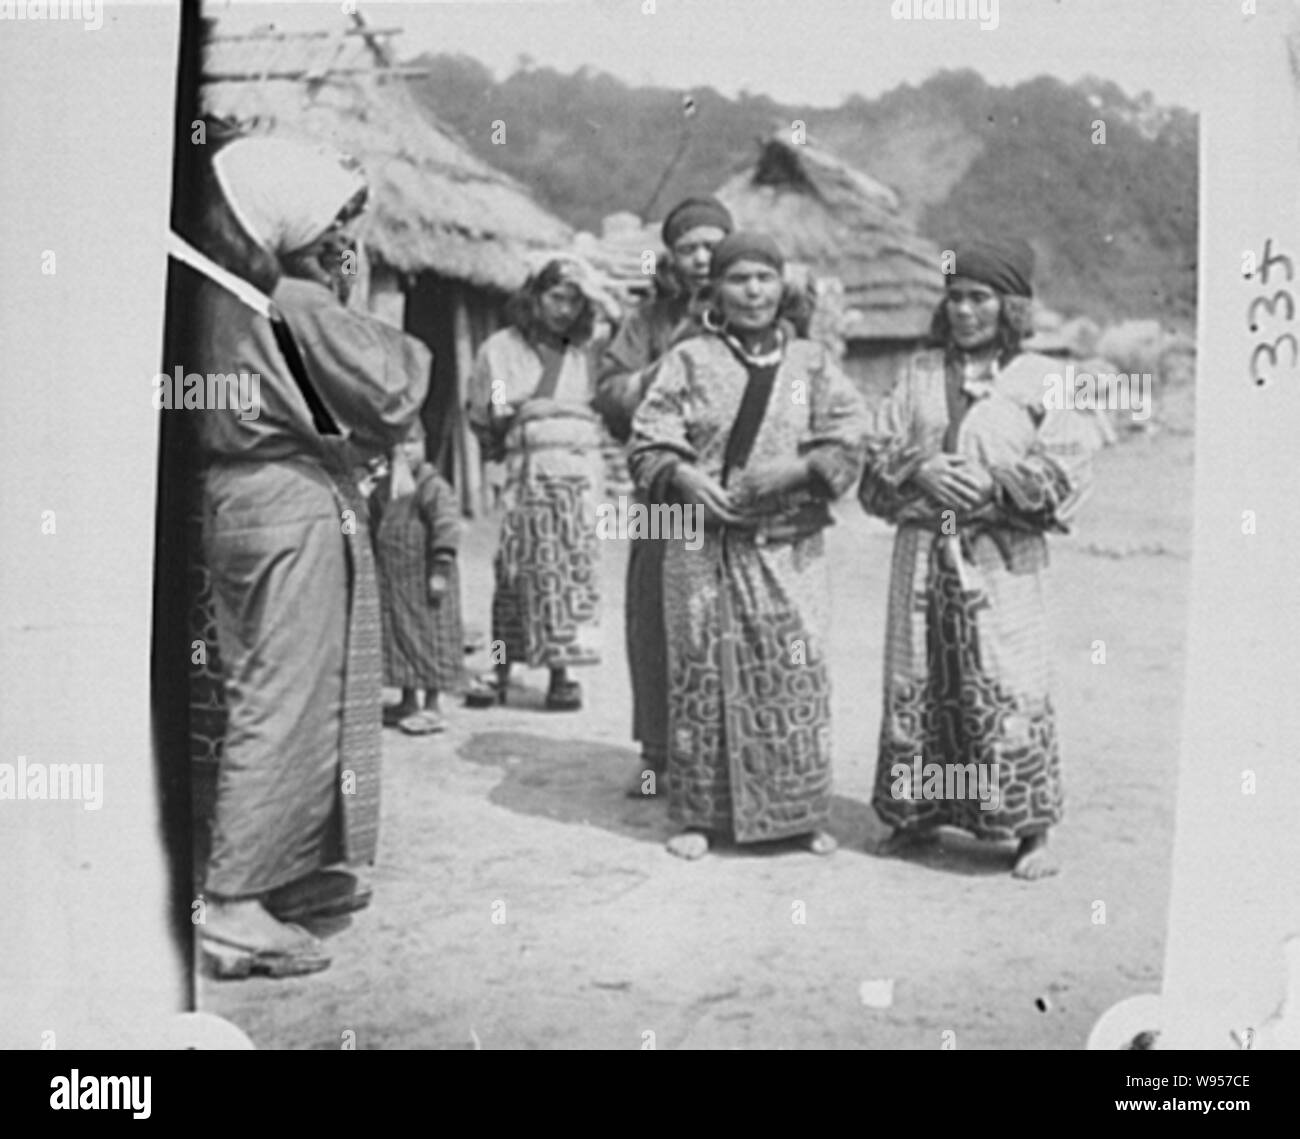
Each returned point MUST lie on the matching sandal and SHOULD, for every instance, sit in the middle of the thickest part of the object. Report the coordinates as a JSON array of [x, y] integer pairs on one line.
[[484, 692], [423, 723], [233, 961], [565, 696]]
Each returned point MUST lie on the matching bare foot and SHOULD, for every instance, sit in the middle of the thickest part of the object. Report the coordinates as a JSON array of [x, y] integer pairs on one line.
[[1033, 859], [245, 922], [689, 845], [822, 842], [905, 841]]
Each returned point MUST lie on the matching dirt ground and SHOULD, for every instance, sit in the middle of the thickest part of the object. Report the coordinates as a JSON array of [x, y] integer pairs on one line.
[[604, 940]]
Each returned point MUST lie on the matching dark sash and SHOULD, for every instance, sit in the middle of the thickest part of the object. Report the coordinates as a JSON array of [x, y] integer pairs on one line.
[[552, 365], [749, 417]]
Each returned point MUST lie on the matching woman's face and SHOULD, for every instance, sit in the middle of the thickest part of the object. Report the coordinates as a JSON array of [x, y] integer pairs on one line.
[[748, 294], [692, 253], [330, 260], [413, 452], [973, 309], [559, 306]]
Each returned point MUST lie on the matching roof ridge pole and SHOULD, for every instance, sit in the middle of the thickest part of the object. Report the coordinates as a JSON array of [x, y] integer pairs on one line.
[[377, 49]]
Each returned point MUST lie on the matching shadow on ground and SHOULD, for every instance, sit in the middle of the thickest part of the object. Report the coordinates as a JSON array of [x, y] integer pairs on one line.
[[569, 781], [585, 782]]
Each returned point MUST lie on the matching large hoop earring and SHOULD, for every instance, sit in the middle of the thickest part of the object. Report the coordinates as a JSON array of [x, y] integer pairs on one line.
[[711, 321]]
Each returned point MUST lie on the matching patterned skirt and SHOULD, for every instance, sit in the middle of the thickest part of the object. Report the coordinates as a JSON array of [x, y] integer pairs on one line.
[[749, 693], [546, 601], [966, 679]]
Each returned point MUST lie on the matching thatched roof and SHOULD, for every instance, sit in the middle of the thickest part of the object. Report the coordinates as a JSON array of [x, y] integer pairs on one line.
[[434, 205], [618, 254], [847, 225]]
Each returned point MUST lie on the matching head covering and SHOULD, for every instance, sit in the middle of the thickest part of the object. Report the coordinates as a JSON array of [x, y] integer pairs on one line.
[[1004, 264], [691, 213], [285, 194], [745, 245], [563, 268]]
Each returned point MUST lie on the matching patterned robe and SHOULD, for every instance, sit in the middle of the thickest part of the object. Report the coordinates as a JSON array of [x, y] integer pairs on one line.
[[424, 645], [745, 612], [546, 601], [966, 673]]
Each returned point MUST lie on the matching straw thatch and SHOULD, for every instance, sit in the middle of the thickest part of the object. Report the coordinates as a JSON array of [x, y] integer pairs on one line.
[[434, 205], [620, 253], [845, 225]]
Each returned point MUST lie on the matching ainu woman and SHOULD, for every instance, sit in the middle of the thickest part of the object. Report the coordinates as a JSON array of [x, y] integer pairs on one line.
[[975, 470], [760, 431]]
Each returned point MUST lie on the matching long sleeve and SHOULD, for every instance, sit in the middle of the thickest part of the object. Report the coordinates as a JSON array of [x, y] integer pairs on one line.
[[1044, 489], [838, 421], [437, 505], [371, 377], [660, 436], [892, 458], [620, 379]]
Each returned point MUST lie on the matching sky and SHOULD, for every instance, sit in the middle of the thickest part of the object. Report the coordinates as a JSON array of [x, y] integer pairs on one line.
[[814, 52]]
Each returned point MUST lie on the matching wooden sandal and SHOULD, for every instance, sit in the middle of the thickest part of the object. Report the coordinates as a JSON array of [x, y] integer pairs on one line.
[[229, 961], [423, 723]]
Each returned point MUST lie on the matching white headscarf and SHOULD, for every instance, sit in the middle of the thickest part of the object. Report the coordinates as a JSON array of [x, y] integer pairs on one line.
[[285, 194], [577, 271]]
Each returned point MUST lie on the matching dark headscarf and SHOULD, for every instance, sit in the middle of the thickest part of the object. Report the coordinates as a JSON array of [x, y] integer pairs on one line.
[[1006, 265], [691, 213], [745, 245]]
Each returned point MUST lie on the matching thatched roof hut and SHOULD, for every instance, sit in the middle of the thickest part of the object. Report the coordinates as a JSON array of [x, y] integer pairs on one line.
[[847, 225], [447, 236], [434, 205]]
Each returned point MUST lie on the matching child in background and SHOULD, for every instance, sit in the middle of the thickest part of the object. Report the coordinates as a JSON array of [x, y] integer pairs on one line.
[[416, 538]]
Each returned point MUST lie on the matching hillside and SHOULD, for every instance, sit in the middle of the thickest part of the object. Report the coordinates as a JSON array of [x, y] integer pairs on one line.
[[1116, 223]]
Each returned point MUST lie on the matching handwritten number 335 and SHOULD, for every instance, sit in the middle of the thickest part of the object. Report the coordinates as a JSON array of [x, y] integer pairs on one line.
[[1270, 304]]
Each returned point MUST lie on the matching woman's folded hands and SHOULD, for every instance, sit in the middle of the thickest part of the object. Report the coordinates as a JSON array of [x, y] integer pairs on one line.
[[954, 481], [752, 488], [698, 489], [756, 485]]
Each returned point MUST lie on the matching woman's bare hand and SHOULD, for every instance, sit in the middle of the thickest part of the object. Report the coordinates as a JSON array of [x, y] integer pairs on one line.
[[768, 481], [953, 481], [979, 480], [697, 488]]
